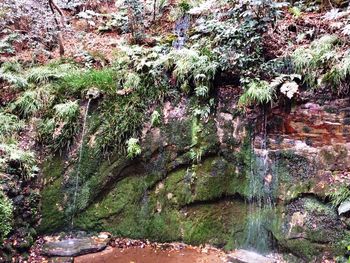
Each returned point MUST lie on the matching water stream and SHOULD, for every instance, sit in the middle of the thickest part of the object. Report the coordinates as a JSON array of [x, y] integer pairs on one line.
[[262, 182], [76, 187], [181, 28]]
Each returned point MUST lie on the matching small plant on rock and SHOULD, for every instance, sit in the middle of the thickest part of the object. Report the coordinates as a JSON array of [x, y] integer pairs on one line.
[[133, 148]]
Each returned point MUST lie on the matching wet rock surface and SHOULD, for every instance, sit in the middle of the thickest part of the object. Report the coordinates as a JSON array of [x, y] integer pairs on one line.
[[245, 256], [75, 246], [190, 183]]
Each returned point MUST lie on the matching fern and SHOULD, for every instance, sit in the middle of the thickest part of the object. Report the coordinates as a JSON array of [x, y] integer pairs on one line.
[[67, 112], [190, 66], [257, 92], [339, 74], [310, 61], [11, 66], [13, 79], [287, 84], [28, 104], [32, 101], [45, 74], [132, 81], [9, 124], [340, 195]]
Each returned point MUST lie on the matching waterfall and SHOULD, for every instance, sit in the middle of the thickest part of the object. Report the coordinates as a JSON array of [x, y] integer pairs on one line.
[[79, 162], [260, 196], [181, 27]]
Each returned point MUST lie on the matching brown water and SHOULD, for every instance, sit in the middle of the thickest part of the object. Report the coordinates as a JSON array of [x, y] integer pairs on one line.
[[151, 255]]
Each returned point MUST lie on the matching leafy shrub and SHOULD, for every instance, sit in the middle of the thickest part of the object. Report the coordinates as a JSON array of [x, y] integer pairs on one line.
[[6, 44], [295, 11], [65, 118], [184, 6], [236, 40], [117, 21], [132, 81], [28, 103], [339, 75]]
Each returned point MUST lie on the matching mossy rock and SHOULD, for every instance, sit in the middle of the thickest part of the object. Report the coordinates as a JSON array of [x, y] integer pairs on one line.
[[219, 223], [53, 217], [310, 227]]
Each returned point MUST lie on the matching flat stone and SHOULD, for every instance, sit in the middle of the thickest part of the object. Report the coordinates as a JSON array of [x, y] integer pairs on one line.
[[73, 247], [245, 256], [344, 207]]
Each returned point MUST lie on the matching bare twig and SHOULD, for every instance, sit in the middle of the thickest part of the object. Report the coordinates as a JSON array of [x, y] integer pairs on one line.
[[53, 7]]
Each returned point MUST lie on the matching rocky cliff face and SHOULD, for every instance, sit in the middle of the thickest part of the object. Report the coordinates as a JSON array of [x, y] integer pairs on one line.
[[192, 182]]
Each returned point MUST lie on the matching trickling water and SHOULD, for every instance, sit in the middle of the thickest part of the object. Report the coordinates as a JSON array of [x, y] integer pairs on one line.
[[79, 162], [181, 27], [260, 197]]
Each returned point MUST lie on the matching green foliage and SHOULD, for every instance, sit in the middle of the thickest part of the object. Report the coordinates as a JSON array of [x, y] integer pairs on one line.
[[155, 118], [67, 112], [77, 82], [311, 61], [6, 216], [25, 159], [45, 74], [257, 92], [132, 81], [295, 11], [189, 66], [32, 101], [6, 43], [118, 21], [11, 66], [339, 75], [340, 195], [27, 104], [9, 72], [287, 84], [133, 147], [59, 130], [9, 125], [184, 6], [236, 40]]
